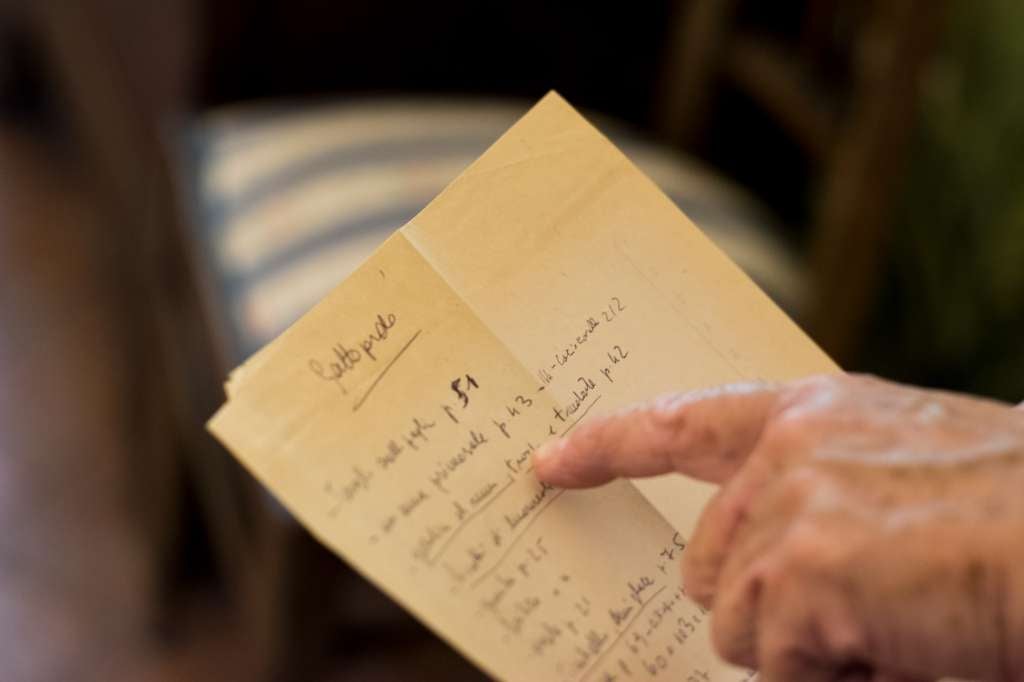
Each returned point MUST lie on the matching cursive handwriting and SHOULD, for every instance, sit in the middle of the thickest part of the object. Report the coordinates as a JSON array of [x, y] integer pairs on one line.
[[453, 463], [568, 349], [345, 356]]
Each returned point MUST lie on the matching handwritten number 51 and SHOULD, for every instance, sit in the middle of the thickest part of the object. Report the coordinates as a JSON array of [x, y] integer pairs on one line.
[[463, 395]]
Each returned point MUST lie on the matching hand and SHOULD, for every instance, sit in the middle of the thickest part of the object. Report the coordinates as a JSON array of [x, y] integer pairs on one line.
[[863, 530]]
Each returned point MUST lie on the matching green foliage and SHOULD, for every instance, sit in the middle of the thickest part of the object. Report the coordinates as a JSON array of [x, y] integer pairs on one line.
[[954, 313]]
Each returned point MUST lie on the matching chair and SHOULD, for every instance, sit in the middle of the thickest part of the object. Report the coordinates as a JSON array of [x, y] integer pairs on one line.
[[842, 83]]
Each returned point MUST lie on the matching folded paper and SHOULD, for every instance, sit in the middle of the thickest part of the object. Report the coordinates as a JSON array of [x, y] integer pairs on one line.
[[396, 420]]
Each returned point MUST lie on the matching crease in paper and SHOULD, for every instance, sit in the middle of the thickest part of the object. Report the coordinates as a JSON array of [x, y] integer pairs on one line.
[[396, 419]]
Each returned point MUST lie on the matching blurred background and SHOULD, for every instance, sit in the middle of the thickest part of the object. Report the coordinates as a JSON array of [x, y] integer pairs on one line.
[[180, 180]]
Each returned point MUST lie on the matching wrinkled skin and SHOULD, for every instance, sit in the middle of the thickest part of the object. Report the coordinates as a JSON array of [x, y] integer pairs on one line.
[[863, 530]]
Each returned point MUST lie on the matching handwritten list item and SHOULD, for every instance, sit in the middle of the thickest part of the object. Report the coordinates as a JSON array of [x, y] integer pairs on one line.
[[397, 419]]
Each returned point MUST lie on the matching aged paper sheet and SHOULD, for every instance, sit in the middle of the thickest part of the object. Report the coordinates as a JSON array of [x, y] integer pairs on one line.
[[397, 418]]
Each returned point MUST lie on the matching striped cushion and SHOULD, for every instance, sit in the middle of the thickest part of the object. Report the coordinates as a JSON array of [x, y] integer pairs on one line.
[[291, 199]]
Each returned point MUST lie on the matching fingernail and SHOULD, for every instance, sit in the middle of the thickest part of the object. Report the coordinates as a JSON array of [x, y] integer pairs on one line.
[[548, 451]]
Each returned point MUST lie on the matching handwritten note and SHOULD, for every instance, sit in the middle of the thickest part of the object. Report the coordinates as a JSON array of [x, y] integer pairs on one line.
[[397, 419]]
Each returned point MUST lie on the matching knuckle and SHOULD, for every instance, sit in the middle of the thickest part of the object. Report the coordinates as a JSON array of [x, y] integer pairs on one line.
[[801, 484], [724, 640], [788, 660], [791, 433], [815, 393], [679, 424], [699, 578], [794, 494], [671, 420], [733, 634], [862, 379], [793, 420], [679, 428], [669, 409], [815, 384], [732, 643], [697, 586], [804, 547], [784, 429], [843, 638], [805, 543], [768, 577]]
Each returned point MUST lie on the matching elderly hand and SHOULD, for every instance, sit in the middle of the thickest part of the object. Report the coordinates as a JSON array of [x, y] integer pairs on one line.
[[863, 530]]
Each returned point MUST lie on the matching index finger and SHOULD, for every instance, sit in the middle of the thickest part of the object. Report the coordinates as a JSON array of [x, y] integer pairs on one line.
[[704, 434]]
